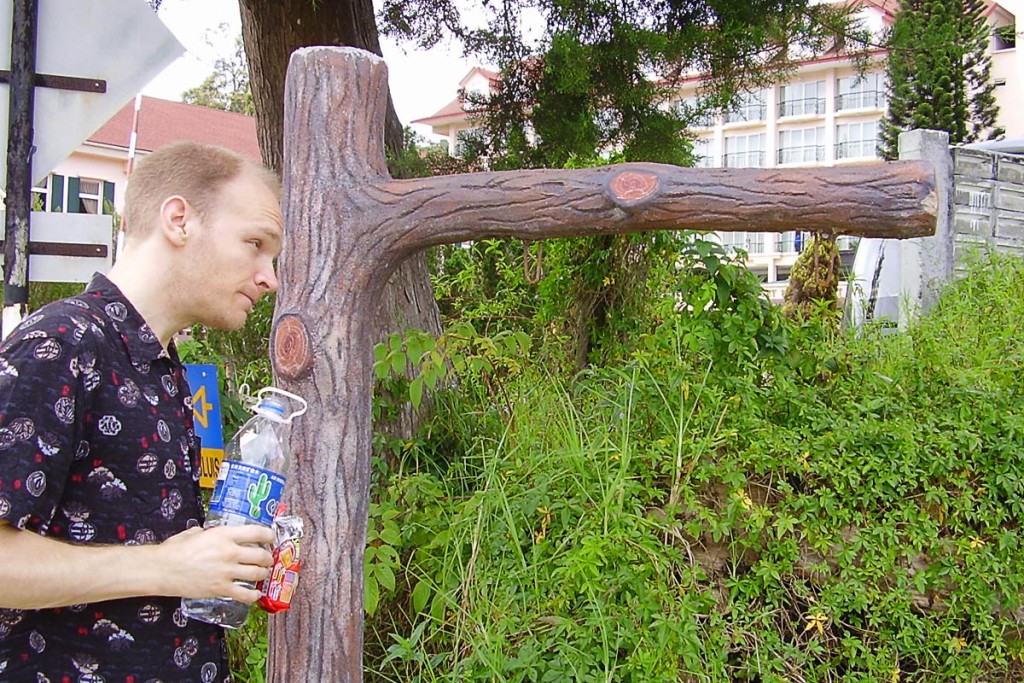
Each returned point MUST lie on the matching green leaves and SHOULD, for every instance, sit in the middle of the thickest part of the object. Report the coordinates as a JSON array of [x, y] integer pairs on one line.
[[459, 350], [384, 541], [736, 500]]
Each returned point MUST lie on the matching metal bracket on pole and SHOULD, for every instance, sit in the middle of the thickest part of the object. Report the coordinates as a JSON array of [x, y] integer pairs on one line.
[[97, 85]]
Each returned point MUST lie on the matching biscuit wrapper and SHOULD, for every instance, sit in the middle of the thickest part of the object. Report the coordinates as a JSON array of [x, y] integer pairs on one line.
[[279, 589]]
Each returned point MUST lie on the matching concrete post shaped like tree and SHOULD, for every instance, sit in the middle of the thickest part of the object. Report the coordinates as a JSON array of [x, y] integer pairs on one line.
[[349, 225]]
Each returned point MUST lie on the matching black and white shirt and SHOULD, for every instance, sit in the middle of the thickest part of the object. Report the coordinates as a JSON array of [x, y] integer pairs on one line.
[[97, 446]]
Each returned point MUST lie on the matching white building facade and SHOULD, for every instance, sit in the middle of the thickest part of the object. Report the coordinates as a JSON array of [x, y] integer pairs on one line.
[[827, 114]]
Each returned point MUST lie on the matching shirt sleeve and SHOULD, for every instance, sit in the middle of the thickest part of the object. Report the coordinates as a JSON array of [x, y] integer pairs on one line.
[[43, 389]]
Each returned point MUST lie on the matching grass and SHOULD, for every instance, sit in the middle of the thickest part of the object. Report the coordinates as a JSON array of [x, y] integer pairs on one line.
[[844, 508]]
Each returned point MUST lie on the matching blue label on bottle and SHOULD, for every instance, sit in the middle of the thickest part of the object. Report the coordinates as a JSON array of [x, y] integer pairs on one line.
[[247, 491]]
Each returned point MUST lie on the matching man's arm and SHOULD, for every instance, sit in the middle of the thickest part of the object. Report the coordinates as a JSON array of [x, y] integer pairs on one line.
[[38, 572]]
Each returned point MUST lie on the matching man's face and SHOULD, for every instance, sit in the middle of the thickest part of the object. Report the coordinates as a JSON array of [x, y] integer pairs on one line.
[[234, 251]]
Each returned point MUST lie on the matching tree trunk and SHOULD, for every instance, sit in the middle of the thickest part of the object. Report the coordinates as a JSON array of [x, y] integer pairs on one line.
[[349, 225], [271, 31]]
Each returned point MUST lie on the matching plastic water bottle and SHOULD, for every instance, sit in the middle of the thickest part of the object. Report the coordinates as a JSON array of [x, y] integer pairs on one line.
[[249, 487]]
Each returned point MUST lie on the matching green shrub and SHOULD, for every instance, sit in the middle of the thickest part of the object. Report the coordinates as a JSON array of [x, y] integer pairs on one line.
[[741, 498]]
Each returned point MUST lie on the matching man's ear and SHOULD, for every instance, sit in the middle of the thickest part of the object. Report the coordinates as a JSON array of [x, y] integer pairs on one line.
[[175, 213]]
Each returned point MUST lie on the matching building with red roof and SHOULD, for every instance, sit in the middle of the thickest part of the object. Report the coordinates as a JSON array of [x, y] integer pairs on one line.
[[93, 178], [452, 120]]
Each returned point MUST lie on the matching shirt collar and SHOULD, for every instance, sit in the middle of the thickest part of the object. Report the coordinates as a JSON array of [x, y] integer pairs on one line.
[[142, 343]]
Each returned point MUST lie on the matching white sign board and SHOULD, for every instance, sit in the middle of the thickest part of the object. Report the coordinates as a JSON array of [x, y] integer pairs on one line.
[[120, 41], [69, 228]]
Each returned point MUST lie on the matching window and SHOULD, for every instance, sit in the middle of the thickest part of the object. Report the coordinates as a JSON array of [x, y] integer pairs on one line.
[[751, 107], [755, 242], [802, 99], [744, 151], [49, 194], [468, 142], [789, 242], [750, 242], [857, 140], [90, 195], [732, 239], [860, 92], [85, 195], [41, 195], [702, 153], [847, 242], [1004, 37], [801, 146]]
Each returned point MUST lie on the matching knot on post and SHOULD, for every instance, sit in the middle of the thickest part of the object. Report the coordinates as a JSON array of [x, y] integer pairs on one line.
[[292, 352], [632, 187]]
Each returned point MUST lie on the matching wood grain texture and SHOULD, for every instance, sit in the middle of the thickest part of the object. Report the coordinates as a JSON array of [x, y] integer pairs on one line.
[[349, 225]]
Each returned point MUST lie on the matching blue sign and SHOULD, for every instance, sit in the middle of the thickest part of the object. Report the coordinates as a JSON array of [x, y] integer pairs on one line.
[[202, 379]]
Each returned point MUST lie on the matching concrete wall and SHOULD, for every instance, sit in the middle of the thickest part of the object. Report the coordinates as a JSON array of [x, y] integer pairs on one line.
[[988, 202]]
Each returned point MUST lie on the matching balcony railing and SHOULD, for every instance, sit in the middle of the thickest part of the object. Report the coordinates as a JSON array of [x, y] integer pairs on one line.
[[755, 243], [801, 155], [786, 243], [751, 112], [865, 99], [702, 120], [802, 107], [752, 159], [857, 149]]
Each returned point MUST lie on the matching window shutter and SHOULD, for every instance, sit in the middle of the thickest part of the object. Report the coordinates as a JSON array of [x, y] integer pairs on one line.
[[108, 198], [74, 204], [56, 193]]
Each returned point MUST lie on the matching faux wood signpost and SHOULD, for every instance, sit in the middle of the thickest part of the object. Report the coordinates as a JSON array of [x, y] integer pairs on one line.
[[348, 225]]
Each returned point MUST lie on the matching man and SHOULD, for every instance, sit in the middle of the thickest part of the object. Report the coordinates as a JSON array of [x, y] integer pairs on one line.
[[100, 515]]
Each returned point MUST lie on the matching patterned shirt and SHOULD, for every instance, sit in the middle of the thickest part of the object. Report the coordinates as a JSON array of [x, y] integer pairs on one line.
[[97, 446]]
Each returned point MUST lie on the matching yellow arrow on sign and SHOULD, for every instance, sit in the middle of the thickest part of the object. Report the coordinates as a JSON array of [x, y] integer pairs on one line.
[[200, 408]]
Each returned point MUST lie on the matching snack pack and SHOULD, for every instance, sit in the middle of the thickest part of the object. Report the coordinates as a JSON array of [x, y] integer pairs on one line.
[[279, 589]]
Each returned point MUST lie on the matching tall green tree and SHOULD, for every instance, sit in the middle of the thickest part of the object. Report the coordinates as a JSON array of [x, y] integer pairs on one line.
[[594, 82], [939, 73], [227, 87]]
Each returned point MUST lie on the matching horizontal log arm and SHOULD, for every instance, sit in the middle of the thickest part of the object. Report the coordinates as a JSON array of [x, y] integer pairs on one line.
[[884, 200]]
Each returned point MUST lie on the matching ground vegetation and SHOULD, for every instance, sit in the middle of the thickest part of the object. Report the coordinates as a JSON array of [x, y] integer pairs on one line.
[[742, 496]]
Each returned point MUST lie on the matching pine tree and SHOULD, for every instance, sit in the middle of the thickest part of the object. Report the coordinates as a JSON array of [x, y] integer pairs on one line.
[[939, 73]]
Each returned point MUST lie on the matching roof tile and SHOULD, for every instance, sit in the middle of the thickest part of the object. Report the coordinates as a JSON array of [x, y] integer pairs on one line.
[[162, 122]]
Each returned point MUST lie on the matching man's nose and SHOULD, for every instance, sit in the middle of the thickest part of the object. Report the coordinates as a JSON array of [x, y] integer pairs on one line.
[[267, 278]]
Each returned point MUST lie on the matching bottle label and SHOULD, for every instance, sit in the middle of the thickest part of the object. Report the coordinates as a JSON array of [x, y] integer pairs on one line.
[[247, 491]]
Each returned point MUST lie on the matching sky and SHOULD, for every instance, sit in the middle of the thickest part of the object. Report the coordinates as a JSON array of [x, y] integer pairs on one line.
[[422, 82]]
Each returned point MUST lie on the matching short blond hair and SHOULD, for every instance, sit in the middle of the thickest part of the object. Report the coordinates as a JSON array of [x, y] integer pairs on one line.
[[192, 170]]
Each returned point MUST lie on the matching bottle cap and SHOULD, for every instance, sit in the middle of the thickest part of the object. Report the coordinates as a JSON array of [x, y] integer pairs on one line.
[[274, 403], [270, 404]]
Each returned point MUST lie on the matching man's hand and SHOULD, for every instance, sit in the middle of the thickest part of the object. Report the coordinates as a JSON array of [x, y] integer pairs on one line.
[[210, 563], [38, 572]]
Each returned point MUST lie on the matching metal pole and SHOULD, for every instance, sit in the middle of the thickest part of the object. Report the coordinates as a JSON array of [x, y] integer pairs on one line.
[[18, 199], [133, 140]]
